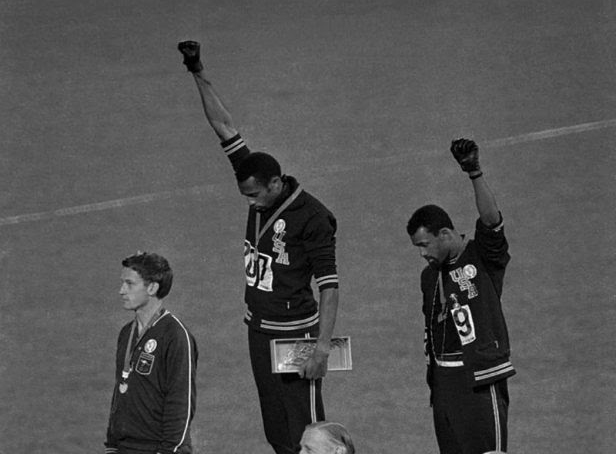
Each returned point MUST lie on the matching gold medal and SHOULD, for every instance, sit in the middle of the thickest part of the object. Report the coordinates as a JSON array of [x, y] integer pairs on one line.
[[123, 387]]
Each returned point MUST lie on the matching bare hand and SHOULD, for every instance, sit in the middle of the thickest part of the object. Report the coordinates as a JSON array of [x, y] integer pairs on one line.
[[315, 367]]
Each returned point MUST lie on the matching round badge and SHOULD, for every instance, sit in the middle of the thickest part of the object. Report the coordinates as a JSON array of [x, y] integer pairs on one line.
[[150, 346], [470, 271], [279, 225], [461, 316]]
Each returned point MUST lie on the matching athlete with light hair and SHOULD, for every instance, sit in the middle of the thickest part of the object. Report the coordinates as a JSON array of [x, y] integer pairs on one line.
[[154, 395], [326, 437]]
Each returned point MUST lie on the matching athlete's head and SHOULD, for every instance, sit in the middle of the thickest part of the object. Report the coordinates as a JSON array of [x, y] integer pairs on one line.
[[432, 231], [325, 437], [152, 269], [259, 178]]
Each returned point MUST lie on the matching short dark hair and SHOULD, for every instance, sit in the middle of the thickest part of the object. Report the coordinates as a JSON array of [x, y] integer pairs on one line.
[[432, 217], [262, 166], [152, 268]]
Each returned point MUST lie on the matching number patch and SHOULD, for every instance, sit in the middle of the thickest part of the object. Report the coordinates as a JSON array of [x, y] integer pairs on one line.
[[463, 319], [258, 270]]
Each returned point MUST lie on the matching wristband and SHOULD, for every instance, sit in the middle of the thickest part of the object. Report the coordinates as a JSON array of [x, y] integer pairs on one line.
[[477, 175]]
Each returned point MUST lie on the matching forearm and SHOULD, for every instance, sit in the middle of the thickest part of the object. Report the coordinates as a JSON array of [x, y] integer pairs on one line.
[[485, 201], [328, 308], [215, 111]]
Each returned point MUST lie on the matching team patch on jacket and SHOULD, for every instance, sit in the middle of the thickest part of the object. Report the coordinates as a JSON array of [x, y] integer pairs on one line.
[[279, 245], [145, 364], [462, 276]]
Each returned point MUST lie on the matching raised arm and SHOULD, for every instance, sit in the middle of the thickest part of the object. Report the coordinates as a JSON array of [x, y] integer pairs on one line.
[[215, 111], [466, 152]]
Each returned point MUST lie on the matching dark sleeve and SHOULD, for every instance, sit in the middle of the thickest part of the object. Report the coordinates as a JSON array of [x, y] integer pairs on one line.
[[111, 444], [425, 294], [492, 244], [235, 148], [320, 246], [179, 388]]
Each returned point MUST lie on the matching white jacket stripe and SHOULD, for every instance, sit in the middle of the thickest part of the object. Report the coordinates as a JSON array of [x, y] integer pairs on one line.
[[493, 371], [189, 400]]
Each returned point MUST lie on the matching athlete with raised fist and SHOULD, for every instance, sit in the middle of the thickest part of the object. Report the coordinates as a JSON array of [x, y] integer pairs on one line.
[[290, 239], [466, 340]]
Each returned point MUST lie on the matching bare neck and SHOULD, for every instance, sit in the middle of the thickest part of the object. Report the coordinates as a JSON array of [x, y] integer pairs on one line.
[[458, 245], [144, 314]]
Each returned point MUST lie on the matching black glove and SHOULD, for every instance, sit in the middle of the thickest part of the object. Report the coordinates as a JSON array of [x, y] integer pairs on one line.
[[190, 51], [466, 153]]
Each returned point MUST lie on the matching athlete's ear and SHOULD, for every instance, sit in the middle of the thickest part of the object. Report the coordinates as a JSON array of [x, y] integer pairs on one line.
[[275, 183], [153, 288], [444, 232]]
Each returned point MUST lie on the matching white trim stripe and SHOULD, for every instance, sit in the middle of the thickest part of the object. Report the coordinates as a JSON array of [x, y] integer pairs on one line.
[[449, 363], [187, 425], [313, 394], [497, 427], [159, 318], [295, 322], [499, 226], [285, 326], [504, 367], [326, 279], [233, 147], [494, 374], [288, 328]]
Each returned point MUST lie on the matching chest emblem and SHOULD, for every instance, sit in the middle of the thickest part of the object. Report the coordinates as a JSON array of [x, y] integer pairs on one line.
[[150, 346], [279, 245], [470, 271], [145, 363], [462, 277]]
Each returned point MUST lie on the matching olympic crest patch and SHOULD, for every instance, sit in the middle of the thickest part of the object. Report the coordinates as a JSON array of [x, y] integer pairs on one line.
[[279, 245], [279, 225], [470, 271], [150, 346]]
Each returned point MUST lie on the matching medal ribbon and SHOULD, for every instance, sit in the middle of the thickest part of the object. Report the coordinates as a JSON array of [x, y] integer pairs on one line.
[[259, 232], [129, 351]]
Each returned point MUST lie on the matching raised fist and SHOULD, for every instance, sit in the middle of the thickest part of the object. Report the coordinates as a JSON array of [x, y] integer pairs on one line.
[[466, 153], [190, 51]]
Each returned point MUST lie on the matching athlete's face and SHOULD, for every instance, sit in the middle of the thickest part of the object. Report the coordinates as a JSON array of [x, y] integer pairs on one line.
[[433, 248], [134, 291], [315, 441], [260, 196]]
